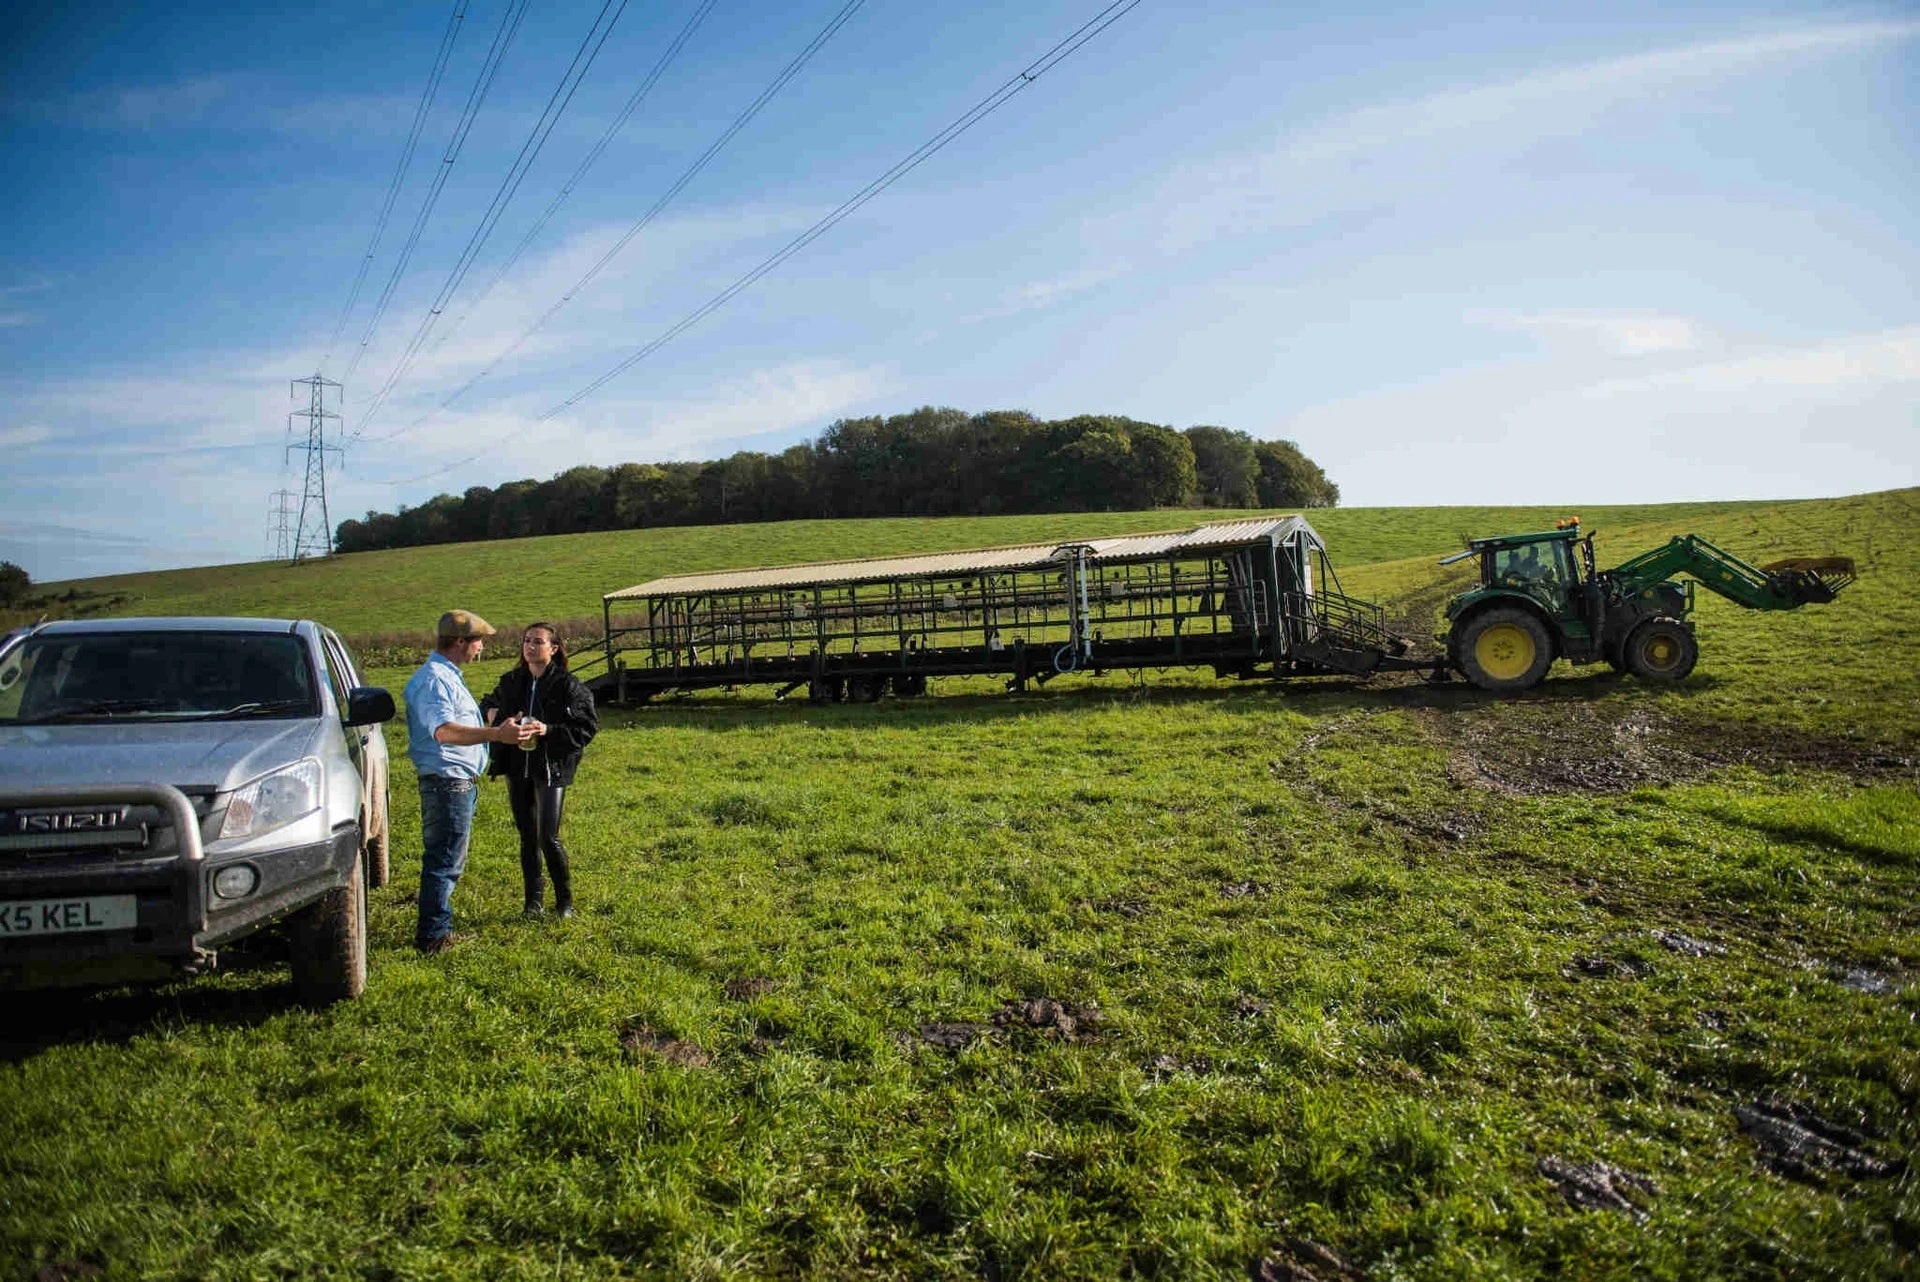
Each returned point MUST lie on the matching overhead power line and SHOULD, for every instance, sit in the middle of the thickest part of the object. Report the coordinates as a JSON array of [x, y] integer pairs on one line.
[[509, 27], [576, 71], [740, 122], [913, 160], [566, 189], [420, 114]]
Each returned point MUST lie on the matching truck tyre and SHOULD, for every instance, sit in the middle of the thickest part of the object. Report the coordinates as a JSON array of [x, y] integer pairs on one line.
[[330, 943], [1662, 651], [1505, 650], [865, 689]]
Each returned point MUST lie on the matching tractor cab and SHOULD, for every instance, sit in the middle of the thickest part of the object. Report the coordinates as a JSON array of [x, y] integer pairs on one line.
[[1550, 568]]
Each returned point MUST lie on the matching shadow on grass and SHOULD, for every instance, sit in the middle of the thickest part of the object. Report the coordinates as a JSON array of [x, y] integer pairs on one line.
[[38, 1021], [1822, 837], [1314, 695]]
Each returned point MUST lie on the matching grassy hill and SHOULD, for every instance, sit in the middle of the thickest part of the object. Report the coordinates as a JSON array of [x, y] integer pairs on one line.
[[564, 575], [1180, 977]]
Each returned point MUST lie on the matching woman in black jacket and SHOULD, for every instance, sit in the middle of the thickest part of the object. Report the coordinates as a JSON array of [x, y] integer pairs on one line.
[[541, 690]]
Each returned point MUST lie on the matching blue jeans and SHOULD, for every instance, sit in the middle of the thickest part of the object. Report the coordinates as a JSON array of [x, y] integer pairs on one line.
[[446, 822]]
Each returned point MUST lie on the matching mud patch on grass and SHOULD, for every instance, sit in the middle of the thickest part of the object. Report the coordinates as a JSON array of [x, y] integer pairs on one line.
[[1247, 1006], [1244, 889], [954, 1036], [1686, 945], [1302, 1260], [642, 1041], [1798, 1143], [1117, 905], [768, 1036], [1861, 980], [68, 1271], [1051, 1019], [744, 988], [1547, 746], [1600, 1186], [1163, 1066], [1588, 967]]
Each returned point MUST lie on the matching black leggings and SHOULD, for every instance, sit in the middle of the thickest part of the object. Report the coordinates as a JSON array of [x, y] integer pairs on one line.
[[537, 812]]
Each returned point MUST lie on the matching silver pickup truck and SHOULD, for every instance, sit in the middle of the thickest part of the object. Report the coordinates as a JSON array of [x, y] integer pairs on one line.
[[170, 786]]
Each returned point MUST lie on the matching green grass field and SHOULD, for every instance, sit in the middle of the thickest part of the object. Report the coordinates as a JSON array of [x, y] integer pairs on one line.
[[1179, 977]]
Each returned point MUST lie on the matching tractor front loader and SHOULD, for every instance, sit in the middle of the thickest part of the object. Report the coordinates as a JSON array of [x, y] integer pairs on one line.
[[1540, 599]]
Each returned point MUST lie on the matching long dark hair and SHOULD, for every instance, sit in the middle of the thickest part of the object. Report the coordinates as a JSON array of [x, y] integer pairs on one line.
[[559, 659]]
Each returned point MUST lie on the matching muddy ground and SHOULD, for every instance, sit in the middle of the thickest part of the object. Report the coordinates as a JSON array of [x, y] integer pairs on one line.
[[1533, 748]]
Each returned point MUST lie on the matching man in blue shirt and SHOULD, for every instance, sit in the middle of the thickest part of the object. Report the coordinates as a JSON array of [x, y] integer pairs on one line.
[[448, 744]]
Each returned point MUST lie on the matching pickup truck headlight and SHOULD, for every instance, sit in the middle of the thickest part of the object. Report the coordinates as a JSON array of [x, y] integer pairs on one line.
[[273, 801]]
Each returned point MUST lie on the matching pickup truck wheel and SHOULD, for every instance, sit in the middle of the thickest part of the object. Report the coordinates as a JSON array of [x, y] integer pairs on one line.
[[330, 943], [1662, 651], [1505, 650]]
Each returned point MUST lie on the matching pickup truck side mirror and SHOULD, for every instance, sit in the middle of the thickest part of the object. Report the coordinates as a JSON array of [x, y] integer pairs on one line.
[[368, 706]]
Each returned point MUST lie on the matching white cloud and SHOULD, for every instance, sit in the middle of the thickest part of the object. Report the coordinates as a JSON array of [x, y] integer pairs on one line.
[[1038, 294], [14, 438], [1773, 422], [1547, 100], [1844, 366], [362, 115], [133, 106], [645, 286], [484, 447], [1374, 156], [1626, 334]]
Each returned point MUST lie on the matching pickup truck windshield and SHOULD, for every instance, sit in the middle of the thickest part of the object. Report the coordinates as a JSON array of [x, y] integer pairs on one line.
[[121, 676]]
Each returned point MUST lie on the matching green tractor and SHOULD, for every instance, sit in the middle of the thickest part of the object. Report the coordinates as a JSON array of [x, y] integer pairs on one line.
[[1541, 599]]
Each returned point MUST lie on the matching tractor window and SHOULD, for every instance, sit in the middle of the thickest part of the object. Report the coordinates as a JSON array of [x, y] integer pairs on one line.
[[1564, 567], [1529, 563]]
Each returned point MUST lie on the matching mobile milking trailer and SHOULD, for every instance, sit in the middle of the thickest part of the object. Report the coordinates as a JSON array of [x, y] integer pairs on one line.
[[1247, 598]]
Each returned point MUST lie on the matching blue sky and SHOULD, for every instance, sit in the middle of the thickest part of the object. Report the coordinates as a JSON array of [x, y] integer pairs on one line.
[[1460, 253]]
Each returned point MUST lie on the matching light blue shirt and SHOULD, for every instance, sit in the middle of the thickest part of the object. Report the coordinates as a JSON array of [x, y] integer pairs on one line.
[[437, 696]]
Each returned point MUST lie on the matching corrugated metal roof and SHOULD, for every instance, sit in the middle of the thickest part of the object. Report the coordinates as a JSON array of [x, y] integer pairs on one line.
[[929, 565]]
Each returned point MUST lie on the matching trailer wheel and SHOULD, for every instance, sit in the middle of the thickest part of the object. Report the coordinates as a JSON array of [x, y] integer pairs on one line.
[[330, 943], [865, 689], [827, 690], [1662, 651], [909, 685], [1505, 650]]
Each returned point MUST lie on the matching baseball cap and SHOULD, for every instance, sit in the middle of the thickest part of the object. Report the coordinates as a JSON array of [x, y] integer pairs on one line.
[[463, 625]]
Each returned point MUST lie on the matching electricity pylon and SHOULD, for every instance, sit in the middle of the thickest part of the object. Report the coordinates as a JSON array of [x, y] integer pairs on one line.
[[313, 535], [280, 525]]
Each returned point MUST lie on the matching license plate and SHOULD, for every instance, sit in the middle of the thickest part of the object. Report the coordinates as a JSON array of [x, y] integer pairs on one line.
[[67, 916]]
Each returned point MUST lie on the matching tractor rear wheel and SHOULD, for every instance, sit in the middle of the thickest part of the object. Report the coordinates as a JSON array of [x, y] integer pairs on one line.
[[1505, 650], [1662, 651]]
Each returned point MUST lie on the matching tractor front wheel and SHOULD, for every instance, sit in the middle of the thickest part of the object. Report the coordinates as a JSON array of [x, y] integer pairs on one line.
[[1504, 650], [1662, 651]]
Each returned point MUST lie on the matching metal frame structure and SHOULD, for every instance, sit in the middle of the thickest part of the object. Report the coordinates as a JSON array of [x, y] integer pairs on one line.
[[1240, 597]]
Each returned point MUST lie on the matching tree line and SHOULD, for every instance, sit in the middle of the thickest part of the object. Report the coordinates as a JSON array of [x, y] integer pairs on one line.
[[931, 462]]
